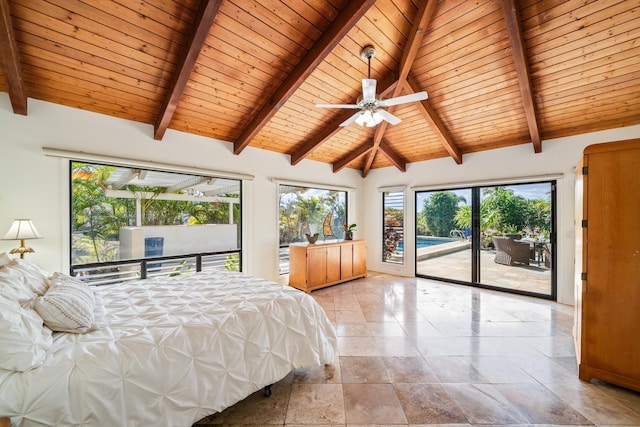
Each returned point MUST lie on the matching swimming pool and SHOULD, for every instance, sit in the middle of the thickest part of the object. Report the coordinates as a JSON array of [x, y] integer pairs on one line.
[[426, 241]]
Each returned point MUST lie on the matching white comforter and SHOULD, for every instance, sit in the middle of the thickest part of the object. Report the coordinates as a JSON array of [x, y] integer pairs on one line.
[[174, 351]]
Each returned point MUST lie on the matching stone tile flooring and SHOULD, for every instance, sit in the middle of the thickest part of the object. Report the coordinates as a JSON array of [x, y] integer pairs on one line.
[[419, 352]]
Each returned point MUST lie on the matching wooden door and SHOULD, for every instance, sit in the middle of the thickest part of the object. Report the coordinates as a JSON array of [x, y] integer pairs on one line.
[[316, 266], [346, 260], [333, 264], [359, 258], [610, 297]]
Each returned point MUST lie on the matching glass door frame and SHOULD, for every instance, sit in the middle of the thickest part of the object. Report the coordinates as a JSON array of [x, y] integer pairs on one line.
[[476, 239]]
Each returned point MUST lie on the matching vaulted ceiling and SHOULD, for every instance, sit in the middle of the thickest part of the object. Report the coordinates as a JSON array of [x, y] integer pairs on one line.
[[497, 73]]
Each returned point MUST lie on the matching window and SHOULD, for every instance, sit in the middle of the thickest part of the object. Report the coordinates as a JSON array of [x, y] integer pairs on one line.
[[305, 210], [393, 223], [123, 217]]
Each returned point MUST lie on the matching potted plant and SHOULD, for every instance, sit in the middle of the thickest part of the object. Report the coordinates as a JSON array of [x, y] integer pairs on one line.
[[348, 231]]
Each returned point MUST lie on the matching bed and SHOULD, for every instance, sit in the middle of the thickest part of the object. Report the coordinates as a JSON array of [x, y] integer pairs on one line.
[[161, 352]]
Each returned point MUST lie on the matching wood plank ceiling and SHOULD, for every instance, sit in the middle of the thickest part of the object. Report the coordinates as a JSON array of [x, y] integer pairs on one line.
[[498, 73]]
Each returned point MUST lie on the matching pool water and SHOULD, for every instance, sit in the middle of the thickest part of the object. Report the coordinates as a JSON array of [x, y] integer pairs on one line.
[[426, 241]]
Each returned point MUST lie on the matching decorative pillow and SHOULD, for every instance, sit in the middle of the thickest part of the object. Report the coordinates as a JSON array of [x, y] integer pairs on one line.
[[68, 305], [23, 340], [23, 281], [37, 278]]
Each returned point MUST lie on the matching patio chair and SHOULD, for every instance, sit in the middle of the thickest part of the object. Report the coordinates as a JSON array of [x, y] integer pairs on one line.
[[509, 251], [547, 254], [514, 236]]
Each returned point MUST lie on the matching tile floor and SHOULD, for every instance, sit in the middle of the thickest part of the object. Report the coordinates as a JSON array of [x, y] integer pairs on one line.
[[416, 352]]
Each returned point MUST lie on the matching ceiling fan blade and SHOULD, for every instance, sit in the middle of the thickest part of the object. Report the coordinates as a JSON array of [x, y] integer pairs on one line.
[[388, 117], [412, 97], [350, 119], [354, 106], [368, 90]]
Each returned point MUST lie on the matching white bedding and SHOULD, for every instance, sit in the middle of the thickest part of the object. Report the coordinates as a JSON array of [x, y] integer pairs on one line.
[[174, 351]]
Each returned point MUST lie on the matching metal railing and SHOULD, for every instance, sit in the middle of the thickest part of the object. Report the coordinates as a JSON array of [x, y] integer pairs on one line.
[[283, 260], [109, 272]]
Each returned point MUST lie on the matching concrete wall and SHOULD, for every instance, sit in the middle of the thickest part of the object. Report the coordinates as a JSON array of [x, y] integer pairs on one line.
[[179, 239]]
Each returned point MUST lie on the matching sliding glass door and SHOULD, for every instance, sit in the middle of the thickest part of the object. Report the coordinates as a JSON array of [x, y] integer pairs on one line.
[[500, 237]]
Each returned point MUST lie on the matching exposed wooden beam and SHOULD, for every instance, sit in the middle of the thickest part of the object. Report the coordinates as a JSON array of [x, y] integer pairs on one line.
[[377, 137], [420, 23], [438, 127], [331, 129], [346, 19], [393, 157], [195, 40], [514, 31], [326, 133], [10, 59], [360, 151]]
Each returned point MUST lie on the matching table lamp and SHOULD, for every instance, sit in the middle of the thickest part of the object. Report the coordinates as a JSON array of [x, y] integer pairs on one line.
[[22, 229]]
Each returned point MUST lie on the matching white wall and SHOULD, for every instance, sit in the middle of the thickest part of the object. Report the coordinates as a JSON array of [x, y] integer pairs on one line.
[[558, 157], [36, 186]]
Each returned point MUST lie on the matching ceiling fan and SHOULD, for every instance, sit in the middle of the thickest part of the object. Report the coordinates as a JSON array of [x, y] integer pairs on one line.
[[370, 105]]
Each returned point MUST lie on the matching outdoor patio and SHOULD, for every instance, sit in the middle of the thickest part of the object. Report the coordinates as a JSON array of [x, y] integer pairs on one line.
[[446, 262]]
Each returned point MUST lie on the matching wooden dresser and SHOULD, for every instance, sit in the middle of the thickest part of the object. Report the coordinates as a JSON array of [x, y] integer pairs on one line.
[[315, 266], [607, 285]]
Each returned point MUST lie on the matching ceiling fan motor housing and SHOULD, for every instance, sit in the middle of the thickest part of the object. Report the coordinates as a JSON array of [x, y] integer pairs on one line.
[[368, 52]]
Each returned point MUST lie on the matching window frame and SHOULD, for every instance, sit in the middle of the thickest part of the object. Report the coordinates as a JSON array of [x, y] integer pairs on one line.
[[141, 267], [475, 267], [402, 195], [283, 249]]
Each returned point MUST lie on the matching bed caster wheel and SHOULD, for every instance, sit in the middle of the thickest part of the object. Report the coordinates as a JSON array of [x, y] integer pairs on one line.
[[267, 390]]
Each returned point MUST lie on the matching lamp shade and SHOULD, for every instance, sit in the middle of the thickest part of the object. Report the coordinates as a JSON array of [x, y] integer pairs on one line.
[[22, 229]]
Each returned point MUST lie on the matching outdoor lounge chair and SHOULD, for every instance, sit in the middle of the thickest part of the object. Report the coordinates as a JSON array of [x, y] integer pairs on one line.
[[509, 251]]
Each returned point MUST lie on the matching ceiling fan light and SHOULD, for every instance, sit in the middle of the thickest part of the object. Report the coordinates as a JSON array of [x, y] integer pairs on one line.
[[376, 118], [369, 118]]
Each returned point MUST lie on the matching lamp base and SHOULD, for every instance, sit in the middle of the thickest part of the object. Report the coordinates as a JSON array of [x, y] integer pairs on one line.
[[21, 250]]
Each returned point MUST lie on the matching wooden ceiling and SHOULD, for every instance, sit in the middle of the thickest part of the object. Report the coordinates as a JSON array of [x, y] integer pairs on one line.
[[498, 73]]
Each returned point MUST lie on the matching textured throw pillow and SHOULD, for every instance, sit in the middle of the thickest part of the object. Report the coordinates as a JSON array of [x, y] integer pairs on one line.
[[23, 340], [68, 305]]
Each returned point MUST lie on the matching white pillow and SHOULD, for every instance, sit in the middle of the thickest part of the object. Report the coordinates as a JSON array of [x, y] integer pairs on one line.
[[68, 305], [23, 340], [23, 281], [4, 259]]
